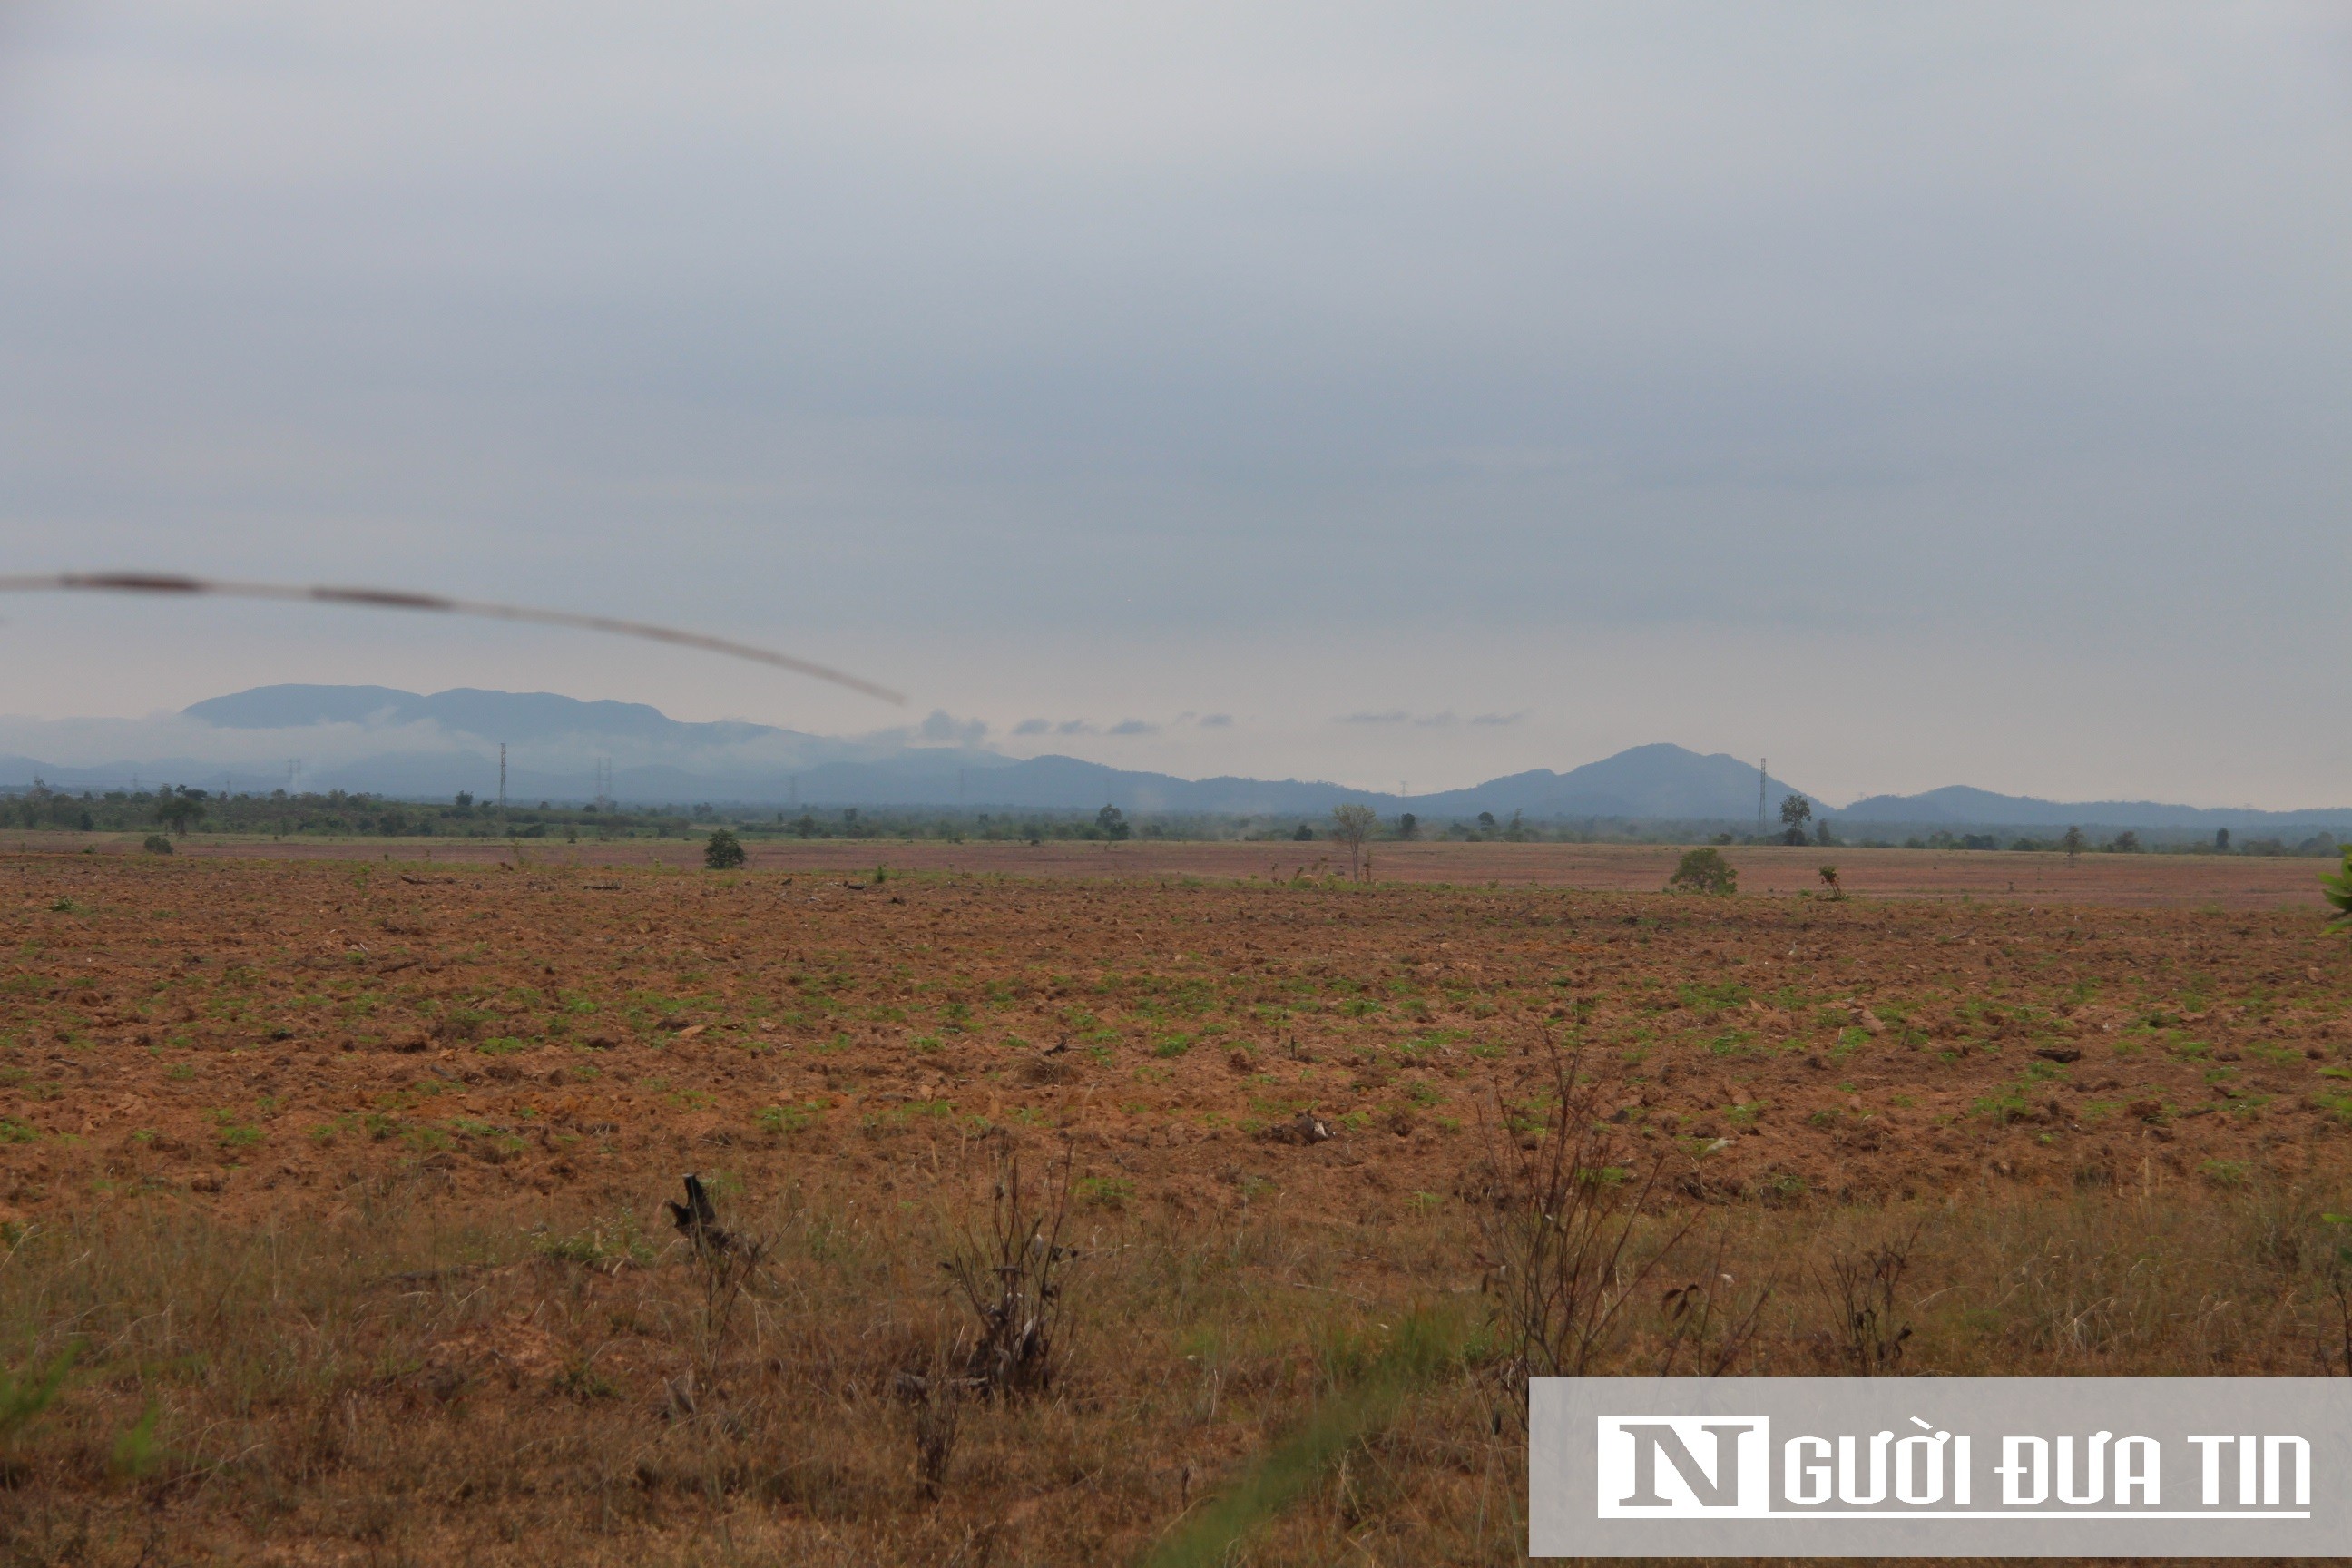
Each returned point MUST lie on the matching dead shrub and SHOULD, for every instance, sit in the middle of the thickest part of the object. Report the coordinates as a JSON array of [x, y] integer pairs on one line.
[[1569, 1248], [1012, 1279], [1861, 1285]]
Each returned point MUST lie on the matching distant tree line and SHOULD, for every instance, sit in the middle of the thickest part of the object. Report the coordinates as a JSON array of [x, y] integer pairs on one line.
[[179, 810]]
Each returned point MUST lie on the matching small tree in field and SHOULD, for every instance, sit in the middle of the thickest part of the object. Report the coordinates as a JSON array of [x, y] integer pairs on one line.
[[1795, 812], [1351, 826], [2073, 844], [722, 851], [1829, 882], [1703, 871], [177, 808]]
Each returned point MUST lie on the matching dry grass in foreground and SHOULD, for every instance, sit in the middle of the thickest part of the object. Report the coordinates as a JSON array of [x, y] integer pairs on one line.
[[809, 1376]]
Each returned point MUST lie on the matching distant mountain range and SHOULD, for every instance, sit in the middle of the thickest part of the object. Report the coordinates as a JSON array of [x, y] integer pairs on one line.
[[1958, 804], [513, 716], [378, 739]]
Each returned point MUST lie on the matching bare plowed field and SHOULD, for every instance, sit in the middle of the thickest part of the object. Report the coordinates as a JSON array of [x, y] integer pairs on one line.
[[2230, 881], [237, 1029], [472, 1084]]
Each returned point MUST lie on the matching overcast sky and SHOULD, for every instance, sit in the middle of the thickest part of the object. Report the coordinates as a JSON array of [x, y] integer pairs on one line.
[[1914, 396]]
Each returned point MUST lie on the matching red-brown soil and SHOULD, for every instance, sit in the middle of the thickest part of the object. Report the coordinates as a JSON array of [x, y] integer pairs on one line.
[[252, 1033]]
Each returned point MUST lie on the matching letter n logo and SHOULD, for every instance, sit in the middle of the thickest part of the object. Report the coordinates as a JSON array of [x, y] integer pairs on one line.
[[1684, 1467]]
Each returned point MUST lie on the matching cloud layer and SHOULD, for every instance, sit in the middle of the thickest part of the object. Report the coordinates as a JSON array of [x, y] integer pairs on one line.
[[1694, 371]]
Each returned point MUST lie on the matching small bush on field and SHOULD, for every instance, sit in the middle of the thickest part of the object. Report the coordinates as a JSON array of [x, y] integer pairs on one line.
[[1704, 871], [156, 844], [722, 851]]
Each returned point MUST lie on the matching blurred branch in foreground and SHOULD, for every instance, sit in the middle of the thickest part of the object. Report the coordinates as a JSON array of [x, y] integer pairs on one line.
[[394, 599]]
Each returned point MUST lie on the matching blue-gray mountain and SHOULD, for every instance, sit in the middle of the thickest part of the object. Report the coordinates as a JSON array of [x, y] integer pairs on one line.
[[509, 716], [1959, 805], [384, 741]]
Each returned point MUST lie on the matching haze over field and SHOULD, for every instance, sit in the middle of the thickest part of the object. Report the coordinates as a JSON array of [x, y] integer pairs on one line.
[[1397, 396]]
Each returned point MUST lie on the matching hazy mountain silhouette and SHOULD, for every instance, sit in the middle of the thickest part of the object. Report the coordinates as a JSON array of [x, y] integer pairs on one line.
[[511, 716], [1962, 806], [384, 741]]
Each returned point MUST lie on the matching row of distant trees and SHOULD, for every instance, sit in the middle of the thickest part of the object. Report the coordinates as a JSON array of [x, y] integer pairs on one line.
[[181, 810]]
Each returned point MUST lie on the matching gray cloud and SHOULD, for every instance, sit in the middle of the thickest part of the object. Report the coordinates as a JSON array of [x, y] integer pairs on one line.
[[941, 726], [1135, 726]]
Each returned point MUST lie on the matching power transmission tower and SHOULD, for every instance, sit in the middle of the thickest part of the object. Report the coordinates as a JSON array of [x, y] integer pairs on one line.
[[1763, 772]]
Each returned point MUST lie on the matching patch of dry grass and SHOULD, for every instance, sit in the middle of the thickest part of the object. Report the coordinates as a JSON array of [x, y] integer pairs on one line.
[[425, 1384]]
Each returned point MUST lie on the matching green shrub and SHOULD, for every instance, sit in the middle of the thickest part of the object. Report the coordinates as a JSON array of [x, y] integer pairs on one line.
[[157, 844], [1703, 871], [722, 851]]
